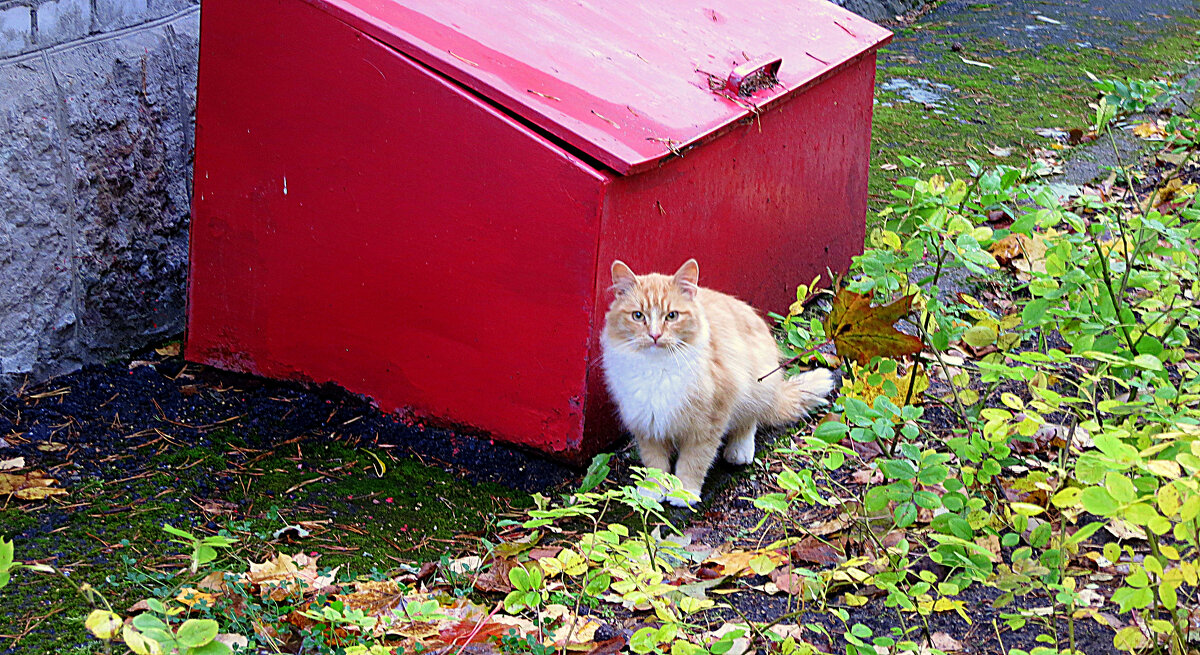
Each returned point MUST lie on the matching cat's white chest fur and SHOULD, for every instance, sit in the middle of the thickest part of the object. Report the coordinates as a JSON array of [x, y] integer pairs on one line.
[[652, 388]]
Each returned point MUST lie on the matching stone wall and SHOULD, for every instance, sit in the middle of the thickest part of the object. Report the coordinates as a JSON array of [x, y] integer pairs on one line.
[[97, 103]]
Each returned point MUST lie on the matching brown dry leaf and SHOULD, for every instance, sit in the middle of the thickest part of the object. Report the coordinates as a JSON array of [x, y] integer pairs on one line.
[[789, 582], [169, 350], [547, 551], [12, 464], [867, 475], [375, 597], [213, 583], [29, 486], [812, 550], [1170, 192], [285, 575], [831, 526], [470, 631], [945, 642], [609, 647], [1021, 254], [992, 543], [495, 579], [575, 629], [51, 447]]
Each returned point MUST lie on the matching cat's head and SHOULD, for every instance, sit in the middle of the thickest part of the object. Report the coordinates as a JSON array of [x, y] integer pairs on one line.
[[655, 311]]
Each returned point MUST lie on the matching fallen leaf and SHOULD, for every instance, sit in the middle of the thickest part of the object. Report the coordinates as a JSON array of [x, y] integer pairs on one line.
[[1049, 132], [575, 629], [1151, 131], [945, 642], [1021, 254], [495, 579], [1123, 530], [741, 643], [869, 475], [815, 551], [29, 486], [608, 647], [190, 597], [791, 582], [888, 167], [285, 576], [169, 350], [737, 562], [860, 331], [235, 642], [997, 151], [51, 447], [12, 464]]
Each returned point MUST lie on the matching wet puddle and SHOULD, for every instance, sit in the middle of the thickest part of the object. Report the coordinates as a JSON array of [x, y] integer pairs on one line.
[[919, 90]]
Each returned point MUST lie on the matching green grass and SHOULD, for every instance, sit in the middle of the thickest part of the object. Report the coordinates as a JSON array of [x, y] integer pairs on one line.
[[357, 517], [1001, 106]]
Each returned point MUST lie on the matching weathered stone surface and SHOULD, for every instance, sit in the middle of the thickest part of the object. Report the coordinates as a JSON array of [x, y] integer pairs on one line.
[[59, 21], [881, 9], [95, 171], [16, 29], [112, 14], [37, 320]]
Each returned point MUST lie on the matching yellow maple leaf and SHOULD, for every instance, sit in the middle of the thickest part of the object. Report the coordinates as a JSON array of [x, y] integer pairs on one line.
[[29, 486], [870, 384], [1149, 130]]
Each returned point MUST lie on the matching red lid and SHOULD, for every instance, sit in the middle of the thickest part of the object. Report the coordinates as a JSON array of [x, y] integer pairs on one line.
[[624, 81]]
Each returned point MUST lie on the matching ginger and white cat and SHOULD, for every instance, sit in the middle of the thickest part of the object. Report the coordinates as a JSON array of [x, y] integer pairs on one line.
[[683, 365]]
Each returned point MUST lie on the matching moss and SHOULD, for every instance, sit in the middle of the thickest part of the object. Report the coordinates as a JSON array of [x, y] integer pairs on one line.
[[357, 517]]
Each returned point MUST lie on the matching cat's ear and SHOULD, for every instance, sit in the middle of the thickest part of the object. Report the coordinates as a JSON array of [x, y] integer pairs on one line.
[[623, 278], [687, 278]]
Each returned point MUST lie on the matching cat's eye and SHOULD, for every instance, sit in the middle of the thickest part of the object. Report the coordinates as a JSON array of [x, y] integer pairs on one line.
[[637, 316], [672, 316]]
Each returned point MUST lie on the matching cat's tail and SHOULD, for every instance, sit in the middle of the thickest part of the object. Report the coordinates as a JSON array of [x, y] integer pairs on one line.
[[799, 395]]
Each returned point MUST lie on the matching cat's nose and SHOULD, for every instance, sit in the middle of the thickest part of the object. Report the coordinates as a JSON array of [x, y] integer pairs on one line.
[[655, 336]]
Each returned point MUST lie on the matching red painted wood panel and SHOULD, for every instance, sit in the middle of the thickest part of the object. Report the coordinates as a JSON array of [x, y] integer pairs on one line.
[[618, 79], [357, 219]]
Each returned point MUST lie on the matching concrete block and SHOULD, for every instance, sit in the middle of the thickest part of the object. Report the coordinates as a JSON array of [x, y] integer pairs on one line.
[[164, 7], [94, 180], [115, 14], [16, 30], [127, 139], [59, 21], [36, 300]]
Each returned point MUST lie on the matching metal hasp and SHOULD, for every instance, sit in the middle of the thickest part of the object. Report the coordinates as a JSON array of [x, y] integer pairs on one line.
[[419, 199]]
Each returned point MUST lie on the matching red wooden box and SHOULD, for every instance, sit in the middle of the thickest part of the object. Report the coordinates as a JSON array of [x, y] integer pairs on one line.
[[419, 199]]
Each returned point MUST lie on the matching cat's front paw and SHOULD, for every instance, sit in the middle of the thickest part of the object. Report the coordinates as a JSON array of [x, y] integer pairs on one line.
[[740, 453]]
